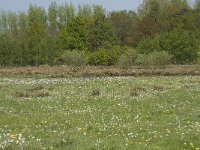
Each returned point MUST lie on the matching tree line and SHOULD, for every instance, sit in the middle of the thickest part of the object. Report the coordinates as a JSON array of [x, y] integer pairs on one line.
[[158, 33]]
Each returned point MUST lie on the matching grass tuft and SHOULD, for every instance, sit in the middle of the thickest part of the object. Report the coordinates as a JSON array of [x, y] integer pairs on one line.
[[35, 91], [22, 94], [137, 90], [96, 92], [158, 87]]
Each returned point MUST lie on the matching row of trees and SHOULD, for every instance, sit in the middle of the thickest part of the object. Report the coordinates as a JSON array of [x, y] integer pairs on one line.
[[53, 37]]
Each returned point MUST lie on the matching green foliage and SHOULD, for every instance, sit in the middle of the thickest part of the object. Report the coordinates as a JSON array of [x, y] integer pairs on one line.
[[99, 57], [198, 54], [84, 11], [149, 45], [73, 58], [100, 35], [124, 62], [156, 58], [66, 12], [22, 24], [177, 14], [113, 54], [182, 45], [145, 27], [142, 60], [52, 18], [73, 36], [99, 13], [161, 58], [37, 46], [7, 49], [127, 59], [106, 56], [122, 21], [150, 8]]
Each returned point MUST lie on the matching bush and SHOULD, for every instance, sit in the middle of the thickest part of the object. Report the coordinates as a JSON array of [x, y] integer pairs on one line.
[[124, 62], [74, 58], [100, 57], [127, 59], [105, 56], [142, 60], [161, 58], [156, 58], [113, 54], [182, 45]]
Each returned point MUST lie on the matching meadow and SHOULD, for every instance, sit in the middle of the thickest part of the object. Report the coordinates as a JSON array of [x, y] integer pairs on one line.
[[100, 113]]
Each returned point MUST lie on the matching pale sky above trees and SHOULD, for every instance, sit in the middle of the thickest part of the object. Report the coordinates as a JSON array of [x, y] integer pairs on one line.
[[17, 5]]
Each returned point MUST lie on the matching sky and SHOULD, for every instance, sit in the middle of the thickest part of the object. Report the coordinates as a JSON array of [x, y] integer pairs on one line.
[[18, 5]]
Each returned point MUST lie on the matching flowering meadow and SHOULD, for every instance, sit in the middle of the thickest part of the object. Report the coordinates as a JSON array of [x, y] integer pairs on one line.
[[107, 113]]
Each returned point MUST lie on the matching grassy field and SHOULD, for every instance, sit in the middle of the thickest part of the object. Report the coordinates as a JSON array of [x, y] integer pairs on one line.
[[112, 113]]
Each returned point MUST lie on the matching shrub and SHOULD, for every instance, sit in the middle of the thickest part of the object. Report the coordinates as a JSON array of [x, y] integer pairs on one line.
[[155, 58], [100, 57], [74, 58], [113, 54], [180, 44], [127, 59], [124, 62], [161, 58], [105, 56], [142, 60]]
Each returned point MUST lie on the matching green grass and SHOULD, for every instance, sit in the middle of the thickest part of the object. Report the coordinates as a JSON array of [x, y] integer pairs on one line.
[[122, 113]]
